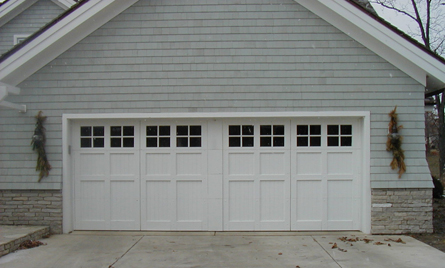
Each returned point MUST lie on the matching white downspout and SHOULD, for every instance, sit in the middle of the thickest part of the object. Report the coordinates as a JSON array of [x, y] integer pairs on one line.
[[5, 89]]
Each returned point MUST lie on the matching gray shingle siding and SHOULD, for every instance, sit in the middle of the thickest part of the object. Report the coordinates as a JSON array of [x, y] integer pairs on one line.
[[215, 56], [28, 22]]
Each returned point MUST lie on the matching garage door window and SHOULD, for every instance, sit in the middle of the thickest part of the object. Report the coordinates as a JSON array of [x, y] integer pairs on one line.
[[272, 135], [157, 136], [308, 135], [339, 135], [92, 137], [188, 136], [121, 136], [241, 136]]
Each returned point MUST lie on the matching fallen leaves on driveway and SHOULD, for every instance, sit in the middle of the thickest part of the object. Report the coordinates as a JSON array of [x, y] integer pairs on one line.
[[30, 244]]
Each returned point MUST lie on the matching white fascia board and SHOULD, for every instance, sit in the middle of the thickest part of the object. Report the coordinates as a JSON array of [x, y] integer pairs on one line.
[[381, 40], [11, 9], [65, 4], [10, 89], [59, 38], [351, 114]]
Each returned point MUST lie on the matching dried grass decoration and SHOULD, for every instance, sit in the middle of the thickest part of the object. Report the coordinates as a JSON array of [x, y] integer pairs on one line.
[[38, 144], [394, 144]]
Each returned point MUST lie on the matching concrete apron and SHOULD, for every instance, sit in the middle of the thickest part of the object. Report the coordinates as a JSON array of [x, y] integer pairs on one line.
[[232, 249]]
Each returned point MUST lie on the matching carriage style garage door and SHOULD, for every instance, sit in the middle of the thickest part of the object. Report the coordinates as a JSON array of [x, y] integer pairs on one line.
[[217, 174]]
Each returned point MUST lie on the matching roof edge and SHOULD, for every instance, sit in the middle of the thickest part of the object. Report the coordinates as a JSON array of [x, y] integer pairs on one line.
[[57, 37], [12, 8], [422, 65]]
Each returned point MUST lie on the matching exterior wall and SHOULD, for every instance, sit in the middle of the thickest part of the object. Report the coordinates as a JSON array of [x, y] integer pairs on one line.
[[37, 207], [399, 211], [215, 56], [28, 22]]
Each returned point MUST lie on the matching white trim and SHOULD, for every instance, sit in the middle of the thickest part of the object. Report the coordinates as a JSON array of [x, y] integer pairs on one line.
[[67, 120], [17, 37], [5, 90], [67, 186], [366, 175], [13, 8], [216, 115], [418, 64], [60, 37], [65, 4]]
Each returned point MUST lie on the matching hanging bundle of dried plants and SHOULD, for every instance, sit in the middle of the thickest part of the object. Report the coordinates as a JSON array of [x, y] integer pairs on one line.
[[394, 144], [38, 144]]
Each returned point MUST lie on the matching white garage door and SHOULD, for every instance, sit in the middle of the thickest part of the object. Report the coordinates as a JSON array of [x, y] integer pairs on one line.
[[215, 174]]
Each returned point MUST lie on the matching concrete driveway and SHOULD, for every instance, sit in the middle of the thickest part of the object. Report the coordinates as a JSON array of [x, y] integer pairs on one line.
[[119, 249]]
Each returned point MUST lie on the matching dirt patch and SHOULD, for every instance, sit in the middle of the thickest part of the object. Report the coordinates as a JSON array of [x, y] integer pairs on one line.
[[437, 239]]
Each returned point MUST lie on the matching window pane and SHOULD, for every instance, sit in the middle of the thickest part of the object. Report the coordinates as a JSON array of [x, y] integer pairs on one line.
[[332, 141], [85, 131], [346, 130], [98, 142], [346, 141], [278, 141], [265, 130], [332, 130], [152, 142], [265, 142], [152, 130], [85, 142], [182, 142], [302, 141], [247, 141], [234, 130], [248, 130], [234, 142], [98, 131], [115, 131], [195, 130], [302, 130], [164, 142], [315, 141], [182, 131], [115, 142], [128, 131], [278, 130], [315, 130], [128, 142], [164, 130], [195, 142]]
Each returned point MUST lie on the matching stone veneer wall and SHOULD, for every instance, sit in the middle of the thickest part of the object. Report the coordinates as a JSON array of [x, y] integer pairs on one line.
[[399, 211], [32, 207]]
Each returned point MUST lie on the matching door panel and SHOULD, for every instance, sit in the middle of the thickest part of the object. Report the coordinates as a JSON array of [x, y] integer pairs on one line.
[[106, 184], [256, 175], [174, 176]]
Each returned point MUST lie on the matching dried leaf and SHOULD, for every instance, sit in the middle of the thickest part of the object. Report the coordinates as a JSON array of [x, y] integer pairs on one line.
[[378, 243], [335, 245], [280, 253]]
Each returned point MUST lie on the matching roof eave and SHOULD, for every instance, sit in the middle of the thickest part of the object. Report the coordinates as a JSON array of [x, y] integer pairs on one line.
[[13, 8], [417, 63], [58, 38]]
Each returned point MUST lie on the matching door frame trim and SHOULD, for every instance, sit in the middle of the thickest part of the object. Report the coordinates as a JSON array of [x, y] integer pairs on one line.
[[67, 119]]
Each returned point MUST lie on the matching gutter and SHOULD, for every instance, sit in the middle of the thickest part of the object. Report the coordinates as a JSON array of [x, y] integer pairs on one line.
[[5, 90]]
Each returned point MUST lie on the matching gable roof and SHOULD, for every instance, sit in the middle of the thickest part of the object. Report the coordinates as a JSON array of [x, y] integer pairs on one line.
[[365, 27], [12, 8]]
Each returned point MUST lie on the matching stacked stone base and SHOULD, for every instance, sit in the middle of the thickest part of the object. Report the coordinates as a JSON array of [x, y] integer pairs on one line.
[[32, 207], [394, 211], [402, 211]]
